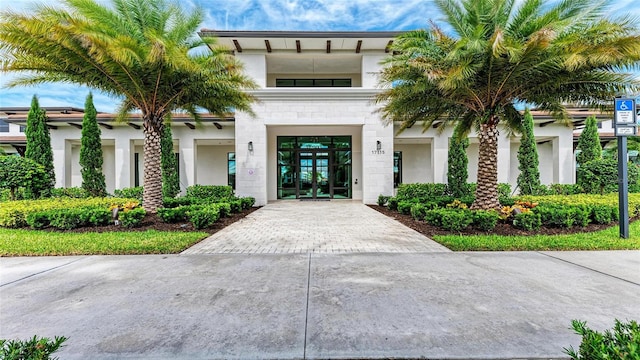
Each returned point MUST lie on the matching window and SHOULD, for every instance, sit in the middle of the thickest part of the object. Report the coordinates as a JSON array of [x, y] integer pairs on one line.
[[231, 169], [313, 82], [4, 126], [397, 168], [23, 128], [136, 169]]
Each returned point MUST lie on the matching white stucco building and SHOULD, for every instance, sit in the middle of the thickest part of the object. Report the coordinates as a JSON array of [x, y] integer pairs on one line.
[[316, 133]]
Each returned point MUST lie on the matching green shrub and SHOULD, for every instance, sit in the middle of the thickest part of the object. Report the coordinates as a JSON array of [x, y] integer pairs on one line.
[[131, 218], [130, 193], [404, 207], [392, 204], [176, 202], [173, 215], [24, 176], [236, 206], [558, 215], [70, 192], [383, 199], [212, 192], [98, 216], [528, 221], [225, 209], [420, 192], [205, 216], [247, 202], [66, 219], [504, 195], [441, 201], [31, 349], [14, 213], [622, 343], [588, 200], [449, 219], [38, 220], [5, 194], [485, 220], [418, 211], [564, 189], [467, 200], [603, 214]]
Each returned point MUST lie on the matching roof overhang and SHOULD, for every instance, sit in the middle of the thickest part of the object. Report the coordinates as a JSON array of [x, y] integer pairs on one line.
[[304, 41], [108, 121]]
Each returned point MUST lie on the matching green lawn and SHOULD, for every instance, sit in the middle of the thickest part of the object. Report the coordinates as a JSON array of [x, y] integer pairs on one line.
[[608, 239], [18, 242]]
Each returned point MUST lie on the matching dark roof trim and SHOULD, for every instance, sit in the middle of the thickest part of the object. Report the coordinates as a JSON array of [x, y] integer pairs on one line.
[[300, 34]]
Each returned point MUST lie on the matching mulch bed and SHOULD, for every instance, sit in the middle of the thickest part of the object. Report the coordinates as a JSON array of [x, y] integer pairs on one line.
[[500, 229], [153, 222]]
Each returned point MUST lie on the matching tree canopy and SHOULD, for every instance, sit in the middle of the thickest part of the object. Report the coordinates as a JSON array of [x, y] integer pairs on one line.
[[499, 53], [144, 52]]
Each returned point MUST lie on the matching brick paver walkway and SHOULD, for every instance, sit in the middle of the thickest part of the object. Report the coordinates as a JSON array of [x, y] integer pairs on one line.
[[337, 226]]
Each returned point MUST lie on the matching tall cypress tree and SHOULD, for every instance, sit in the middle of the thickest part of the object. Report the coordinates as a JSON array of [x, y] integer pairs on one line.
[[170, 176], [589, 142], [91, 152], [39, 146], [529, 177], [457, 167]]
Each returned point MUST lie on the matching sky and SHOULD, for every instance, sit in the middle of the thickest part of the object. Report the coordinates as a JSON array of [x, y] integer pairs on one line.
[[292, 15]]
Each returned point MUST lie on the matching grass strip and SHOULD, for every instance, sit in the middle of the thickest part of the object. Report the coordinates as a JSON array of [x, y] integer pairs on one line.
[[19, 242], [608, 239]]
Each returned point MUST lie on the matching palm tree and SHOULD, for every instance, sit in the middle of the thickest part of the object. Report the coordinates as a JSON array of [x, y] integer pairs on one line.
[[140, 51], [502, 52]]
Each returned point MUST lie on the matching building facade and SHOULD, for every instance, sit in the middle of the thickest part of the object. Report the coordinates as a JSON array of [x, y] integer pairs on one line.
[[316, 133]]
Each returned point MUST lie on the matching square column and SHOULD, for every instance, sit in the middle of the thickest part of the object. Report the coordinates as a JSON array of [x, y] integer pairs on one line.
[[440, 158], [251, 166], [564, 166], [377, 165], [123, 155], [188, 158], [504, 156]]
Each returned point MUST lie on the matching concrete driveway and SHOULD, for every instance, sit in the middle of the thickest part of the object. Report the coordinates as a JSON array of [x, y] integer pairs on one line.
[[440, 305]]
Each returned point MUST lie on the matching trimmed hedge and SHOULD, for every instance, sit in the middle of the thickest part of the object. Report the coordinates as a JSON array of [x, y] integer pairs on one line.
[[527, 221], [14, 213], [485, 220], [131, 218], [205, 216], [214, 193], [130, 193], [449, 219]]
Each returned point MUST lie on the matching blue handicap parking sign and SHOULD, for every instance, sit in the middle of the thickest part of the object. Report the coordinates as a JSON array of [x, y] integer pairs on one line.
[[624, 105]]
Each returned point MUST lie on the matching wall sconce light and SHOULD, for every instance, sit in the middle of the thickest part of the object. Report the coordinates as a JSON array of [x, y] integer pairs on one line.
[[250, 147], [378, 145]]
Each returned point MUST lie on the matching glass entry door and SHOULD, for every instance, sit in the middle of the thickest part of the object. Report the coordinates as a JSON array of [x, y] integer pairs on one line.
[[314, 167], [314, 174]]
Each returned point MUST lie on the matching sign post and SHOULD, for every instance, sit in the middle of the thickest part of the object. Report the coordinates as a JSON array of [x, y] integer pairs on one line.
[[625, 125]]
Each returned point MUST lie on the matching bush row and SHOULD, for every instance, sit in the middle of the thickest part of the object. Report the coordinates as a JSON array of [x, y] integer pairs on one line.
[[437, 195], [549, 215], [201, 216], [66, 219], [588, 200], [14, 213], [459, 219]]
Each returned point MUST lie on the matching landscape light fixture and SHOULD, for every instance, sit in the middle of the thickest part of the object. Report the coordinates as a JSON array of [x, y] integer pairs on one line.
[[378, 145], [250, 146]]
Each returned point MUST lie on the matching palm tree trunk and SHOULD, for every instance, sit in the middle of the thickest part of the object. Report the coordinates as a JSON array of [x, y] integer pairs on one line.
[[152, 195], [487, 189]]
